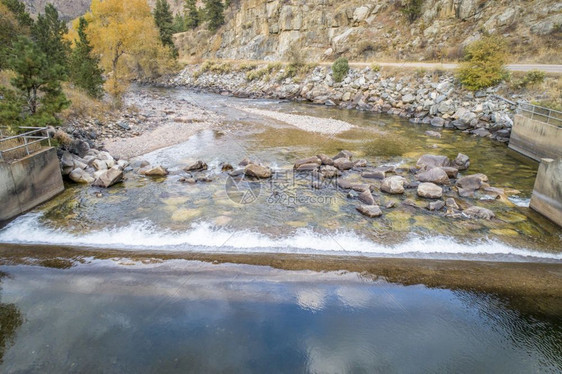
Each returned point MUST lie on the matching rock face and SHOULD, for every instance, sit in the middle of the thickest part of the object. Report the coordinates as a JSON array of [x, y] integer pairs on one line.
[[370, 211], [271, 29], [257, 171], [393, 185], [430, 190]]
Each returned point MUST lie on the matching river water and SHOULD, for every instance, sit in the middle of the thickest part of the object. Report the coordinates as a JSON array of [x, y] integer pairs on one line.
[[125, 315]]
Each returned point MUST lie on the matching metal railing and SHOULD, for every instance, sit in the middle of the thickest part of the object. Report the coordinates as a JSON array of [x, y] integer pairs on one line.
[[539, 113], [21, 145]]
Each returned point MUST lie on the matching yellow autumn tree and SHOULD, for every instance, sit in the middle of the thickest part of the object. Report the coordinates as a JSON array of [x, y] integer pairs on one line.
[[124, 34]]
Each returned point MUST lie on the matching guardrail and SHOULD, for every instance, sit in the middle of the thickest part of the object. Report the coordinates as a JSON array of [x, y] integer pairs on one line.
[[24, 144], [539, 113]]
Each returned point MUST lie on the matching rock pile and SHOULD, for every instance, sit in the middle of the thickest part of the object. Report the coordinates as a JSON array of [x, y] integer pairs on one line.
[[97, 168]]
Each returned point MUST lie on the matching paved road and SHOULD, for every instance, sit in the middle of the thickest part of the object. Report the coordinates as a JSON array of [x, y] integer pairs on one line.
[[435, 66]]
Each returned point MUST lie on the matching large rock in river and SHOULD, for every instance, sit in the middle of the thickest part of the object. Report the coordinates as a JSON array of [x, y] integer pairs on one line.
[[432, 161], [393, 185], [430, 190], [196, 166], [435, 175], [472, 182], [462, 162], [366, 197], [257, 171], [370, 211], [344, 164], [154, 171], [310, 160], [79, 175], [109, 177]]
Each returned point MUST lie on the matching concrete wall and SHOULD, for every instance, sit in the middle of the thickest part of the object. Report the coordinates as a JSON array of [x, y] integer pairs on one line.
[[28, 182], [547, 194], [536, 139]]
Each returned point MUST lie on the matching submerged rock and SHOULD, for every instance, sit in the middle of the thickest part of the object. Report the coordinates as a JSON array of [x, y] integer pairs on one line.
[[430, 190], [370, 211], [479, 212], [374, 175]]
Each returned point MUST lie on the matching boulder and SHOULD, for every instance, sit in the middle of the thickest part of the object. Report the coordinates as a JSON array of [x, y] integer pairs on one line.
[[154, 171], [344, 154], [245, 162], [310, 160], [472, 182], [479, 212], [67, 163], [436, 205], [197, 166], [81, 176], [360, 187], [225, 168], [344, 184], [393, 185], [109, 177], [360, 163], [451, 203], [308, 167], [437, 122], [326, 160], [366, 197], [432, 161], [435, 175], [344, 164], [461, 162], [99, 165], [430, 191], [374, 175], [451, 171], [370, 211], [257, 171]]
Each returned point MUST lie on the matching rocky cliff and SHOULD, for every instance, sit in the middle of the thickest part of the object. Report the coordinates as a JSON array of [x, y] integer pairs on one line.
[[369, 30]]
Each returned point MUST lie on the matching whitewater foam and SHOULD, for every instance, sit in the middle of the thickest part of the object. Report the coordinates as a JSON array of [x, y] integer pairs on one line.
[[28, 229]]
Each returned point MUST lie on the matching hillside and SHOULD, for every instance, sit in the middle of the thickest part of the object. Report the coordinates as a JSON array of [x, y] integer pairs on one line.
[[75, 8], [377, 30]]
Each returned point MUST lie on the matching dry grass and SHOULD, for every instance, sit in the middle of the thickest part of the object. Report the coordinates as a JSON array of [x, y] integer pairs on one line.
[[84, 106]]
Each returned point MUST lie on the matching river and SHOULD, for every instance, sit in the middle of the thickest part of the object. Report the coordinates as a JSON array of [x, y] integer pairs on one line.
[[119, 313]]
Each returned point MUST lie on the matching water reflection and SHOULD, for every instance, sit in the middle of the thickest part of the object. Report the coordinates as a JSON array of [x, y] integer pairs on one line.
[[180, 316], [10, 320]]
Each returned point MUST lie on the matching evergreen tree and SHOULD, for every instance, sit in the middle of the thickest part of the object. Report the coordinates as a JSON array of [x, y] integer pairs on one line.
[[37, 85], [18, 10], [179, 23], [192, 19], [14, 21], [165, 22], [84, 65], [214, 13], [48, 33]]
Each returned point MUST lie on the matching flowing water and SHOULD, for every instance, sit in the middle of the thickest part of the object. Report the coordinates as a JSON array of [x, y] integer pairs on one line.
[[119, 314], [285, 214]]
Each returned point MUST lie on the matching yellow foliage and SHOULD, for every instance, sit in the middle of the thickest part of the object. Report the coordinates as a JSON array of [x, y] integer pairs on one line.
[[124, 34]]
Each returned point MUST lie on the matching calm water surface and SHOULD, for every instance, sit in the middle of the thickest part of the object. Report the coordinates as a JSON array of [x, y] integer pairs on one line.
[[190, 317]]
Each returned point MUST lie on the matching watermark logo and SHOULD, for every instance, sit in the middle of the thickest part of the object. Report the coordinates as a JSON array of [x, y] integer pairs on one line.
[[242, 190]]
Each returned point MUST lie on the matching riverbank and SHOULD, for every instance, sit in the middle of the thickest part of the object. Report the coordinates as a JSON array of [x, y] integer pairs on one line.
[[432, 98], [537, 286]]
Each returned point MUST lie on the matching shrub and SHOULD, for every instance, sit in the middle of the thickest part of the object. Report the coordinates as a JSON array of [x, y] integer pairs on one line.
[[256, 74], [340, 68], [484, 63], [531, 78], [376, 68], [412, 10]]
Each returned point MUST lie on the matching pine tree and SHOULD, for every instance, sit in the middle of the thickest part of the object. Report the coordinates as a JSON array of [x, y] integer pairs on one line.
[[37, 84], [165, 22], [18, 9], [214, 14], [14, 21], [179, 23], [192, 19], [48, 33], [84, 65]]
